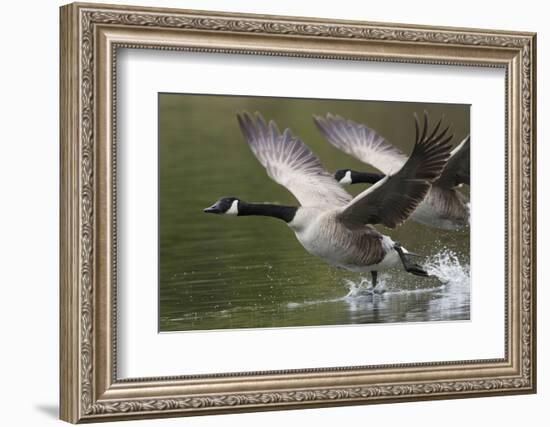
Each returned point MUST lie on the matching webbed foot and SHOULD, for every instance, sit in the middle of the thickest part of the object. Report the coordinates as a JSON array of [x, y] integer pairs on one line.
[[409, 265]]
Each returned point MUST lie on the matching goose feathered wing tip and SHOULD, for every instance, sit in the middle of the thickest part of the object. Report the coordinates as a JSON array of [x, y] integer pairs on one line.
[[362, 142], [393, 199], [289, 162]]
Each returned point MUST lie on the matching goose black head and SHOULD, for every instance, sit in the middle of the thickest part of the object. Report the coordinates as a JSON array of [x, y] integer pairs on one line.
[[343, 176], [226, 205]]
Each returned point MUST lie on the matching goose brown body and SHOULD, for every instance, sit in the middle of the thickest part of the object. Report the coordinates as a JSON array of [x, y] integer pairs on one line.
[[355, 247]]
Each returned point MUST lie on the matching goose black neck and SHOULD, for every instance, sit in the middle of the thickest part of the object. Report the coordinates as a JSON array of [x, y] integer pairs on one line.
[[286, 213], [368, 177]]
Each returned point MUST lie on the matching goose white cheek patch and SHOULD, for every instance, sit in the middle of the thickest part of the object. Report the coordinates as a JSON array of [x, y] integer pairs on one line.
[[346, 179], [234, 209]]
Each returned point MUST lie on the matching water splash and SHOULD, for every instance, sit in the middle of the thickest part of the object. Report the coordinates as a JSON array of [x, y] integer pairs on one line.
[[455, 276], [364, 287], [449, 277], [446, 266], [356, 291]]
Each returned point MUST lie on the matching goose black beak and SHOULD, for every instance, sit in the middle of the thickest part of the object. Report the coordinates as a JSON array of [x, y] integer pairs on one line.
[[215, 209]]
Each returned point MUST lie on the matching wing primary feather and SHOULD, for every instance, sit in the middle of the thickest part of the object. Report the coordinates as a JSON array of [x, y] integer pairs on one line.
[[393, 199], [436, 128], [443, 132], [425, 129], [289, 162], [361, 142], [416, 128]]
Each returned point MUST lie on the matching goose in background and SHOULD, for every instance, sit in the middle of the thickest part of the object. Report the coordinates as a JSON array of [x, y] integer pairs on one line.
[[329, 222], [444, 206]]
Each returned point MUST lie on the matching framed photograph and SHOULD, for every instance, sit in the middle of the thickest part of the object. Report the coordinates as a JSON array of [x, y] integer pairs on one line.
[[266, 212]]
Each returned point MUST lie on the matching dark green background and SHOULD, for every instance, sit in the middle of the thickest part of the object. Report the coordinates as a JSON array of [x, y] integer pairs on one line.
[[225, 272]]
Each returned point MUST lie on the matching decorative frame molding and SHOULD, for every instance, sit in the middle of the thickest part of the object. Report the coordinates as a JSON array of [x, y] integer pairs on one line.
[[90, 36]]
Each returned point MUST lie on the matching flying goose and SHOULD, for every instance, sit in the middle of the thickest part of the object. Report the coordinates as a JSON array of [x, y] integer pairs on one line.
[[444, 206], [329, 223]]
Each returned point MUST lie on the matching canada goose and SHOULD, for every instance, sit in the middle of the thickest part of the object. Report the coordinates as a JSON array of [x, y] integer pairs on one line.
[[329, 223], [444, 206]]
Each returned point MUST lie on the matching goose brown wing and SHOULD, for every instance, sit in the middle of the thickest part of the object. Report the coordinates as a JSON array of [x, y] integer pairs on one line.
[[393, 199], [289, 162]]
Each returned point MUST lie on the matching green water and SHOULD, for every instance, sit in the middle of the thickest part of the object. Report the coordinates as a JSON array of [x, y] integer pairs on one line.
[[221, 272]]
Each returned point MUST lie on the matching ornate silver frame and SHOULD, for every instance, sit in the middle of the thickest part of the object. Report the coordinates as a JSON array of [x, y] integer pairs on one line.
[[90, 36]]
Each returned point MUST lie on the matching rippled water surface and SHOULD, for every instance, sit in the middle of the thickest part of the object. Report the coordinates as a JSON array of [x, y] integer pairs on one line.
[[226, 272]]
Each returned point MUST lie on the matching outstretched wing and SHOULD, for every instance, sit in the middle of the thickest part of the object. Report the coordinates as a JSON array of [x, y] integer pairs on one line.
[[361, 142], [393, 199], [289, 162], [457, 170]]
